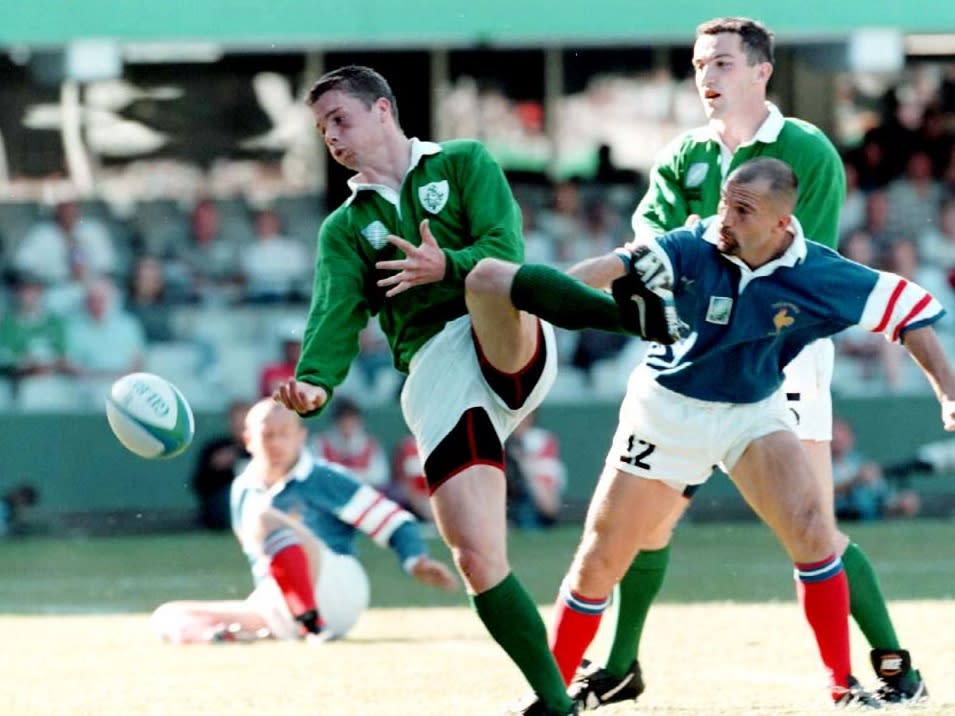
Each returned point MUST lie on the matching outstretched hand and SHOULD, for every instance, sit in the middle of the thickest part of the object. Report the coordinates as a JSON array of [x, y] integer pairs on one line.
[[422, 264], [301, 397], [434, 574]]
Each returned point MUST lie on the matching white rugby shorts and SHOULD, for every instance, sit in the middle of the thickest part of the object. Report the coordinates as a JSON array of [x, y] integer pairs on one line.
[[341, 592], [445, 380], [666, 436], [807, 387]]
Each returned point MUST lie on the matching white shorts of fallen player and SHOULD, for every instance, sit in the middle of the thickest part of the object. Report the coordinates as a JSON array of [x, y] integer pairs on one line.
[[341, 593]]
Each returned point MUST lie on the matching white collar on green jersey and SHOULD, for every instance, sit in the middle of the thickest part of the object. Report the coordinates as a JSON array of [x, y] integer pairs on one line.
[[790, 257], [767, 133], [418, 149], [769, 130]]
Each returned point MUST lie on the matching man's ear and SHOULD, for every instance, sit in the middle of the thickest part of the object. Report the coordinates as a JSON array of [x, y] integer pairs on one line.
[[383, 107], [764, 71]]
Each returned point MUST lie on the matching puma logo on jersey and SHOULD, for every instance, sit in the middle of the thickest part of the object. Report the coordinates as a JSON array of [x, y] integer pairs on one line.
[[434, 196]]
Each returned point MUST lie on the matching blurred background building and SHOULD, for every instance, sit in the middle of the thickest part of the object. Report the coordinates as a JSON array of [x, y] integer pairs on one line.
[[166, 148]]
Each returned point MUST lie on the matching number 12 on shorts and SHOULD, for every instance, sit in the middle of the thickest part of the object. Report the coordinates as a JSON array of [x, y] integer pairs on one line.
[[637, 452]]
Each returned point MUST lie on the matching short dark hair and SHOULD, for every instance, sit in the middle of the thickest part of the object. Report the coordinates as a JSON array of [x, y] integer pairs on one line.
[[782, 180], [345, 407], [358, 81], [757, 39]]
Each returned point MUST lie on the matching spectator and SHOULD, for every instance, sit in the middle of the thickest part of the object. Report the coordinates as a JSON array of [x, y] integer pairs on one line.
[[877, 221], [32, 339], [104, 341], [852, 216], [539, 246], [146, 299], [70, 248], [536, 475], [594, 346], [564, 220], [207, 268], [349, 443], [937, 243], [914, 198], [861, 354], [409, 487], [374, 357], [902, 258], [608, 172], [13, 505], [869, 160], [219, 461], [274, 374], [934, 138], [861, 491], [602, 230], [276, 267]]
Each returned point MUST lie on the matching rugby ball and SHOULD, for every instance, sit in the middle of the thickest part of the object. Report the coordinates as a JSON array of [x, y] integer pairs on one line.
[[150, 416]]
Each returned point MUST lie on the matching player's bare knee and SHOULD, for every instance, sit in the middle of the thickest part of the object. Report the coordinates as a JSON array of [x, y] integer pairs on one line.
[[595, 569], [813, 534], [479, 569], [593, 578], [490, 277]]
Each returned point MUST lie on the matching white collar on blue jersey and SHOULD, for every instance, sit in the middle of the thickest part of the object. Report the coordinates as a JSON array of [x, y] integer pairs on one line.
[[795, 253], [303, 467], [419, 149]]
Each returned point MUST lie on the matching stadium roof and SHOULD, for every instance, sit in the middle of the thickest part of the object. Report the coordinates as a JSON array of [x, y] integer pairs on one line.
[[366, 24]]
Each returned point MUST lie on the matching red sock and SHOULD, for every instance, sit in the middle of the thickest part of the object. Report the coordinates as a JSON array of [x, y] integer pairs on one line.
[[823, 591], [576, 620], [289, 569]]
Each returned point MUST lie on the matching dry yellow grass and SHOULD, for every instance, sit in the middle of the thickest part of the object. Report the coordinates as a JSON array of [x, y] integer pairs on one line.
[[707, 659]]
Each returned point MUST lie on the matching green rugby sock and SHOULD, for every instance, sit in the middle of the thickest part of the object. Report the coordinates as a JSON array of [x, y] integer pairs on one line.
[[638, 588], [866, 602], [564, 301], [512, 619]]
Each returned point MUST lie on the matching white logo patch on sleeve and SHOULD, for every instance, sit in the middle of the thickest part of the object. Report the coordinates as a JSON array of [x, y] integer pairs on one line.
[[719, 310], [434, 196], [696, 174], [376, 234]]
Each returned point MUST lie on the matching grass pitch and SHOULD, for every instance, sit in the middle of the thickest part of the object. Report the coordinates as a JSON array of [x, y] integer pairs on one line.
[[725, 638]]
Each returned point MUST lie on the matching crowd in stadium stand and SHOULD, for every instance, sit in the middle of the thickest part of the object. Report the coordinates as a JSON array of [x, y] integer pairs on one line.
[[204, 290]]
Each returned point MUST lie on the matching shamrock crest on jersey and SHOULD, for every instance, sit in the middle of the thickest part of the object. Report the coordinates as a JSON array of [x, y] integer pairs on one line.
[[434, 196]]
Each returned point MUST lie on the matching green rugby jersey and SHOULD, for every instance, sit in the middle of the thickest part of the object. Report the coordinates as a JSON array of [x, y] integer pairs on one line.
[[689, 172], [462, 190]]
